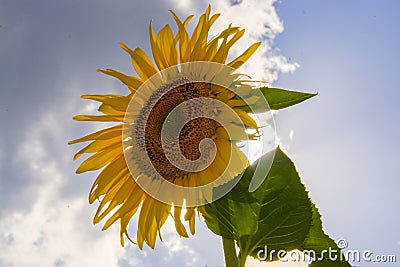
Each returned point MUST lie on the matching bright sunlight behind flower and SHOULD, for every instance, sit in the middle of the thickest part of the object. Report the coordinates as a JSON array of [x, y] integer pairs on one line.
[[182, 143], [150, 170]]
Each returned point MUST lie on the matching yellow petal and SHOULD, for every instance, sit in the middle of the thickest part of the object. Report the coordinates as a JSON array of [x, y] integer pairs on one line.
[[167, 45], [212, 49], [190, 216], [235, 132], [236, 103], [191, 181], [110, 110], [198, 50], [104, 118], [222, 53], [222, 133], [198, 28], [184, 40], [162, 212], [239, 161], [115, 197], [124, 225], [99, 160], [100, 98], [213, 18], [147, 222], [117, 102], [132, 82], [236, 37], [107, 178], [140, 239], [130, 204], [246, 119], [141, 62], [104, 134], [240, 60], [207, 176], [98, 145], [225, 95], [157, 55], [180, 228], [224, 153]]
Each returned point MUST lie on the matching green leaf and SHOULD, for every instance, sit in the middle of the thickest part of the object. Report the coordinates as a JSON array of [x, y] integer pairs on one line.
[[319, 242], [278, 215], [277, 98]]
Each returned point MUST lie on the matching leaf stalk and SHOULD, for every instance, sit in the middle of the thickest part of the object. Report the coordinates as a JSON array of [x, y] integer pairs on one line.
[[231, 258]]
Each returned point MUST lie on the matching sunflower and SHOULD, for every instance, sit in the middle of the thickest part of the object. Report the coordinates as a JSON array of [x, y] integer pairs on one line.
[[177, 131]]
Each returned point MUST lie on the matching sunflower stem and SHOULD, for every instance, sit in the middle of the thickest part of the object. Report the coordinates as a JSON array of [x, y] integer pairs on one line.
[[242, 259], [231, 258]]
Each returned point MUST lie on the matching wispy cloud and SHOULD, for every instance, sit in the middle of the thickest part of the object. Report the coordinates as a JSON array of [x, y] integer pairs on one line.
[[56, 229], [262, 23]]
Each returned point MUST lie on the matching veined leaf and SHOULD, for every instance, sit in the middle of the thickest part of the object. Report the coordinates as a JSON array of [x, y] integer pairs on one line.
[[278, 215], [277, 99], [320, 243]]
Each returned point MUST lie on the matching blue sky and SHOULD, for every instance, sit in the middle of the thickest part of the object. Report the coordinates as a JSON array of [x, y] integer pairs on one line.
[[344, 141]]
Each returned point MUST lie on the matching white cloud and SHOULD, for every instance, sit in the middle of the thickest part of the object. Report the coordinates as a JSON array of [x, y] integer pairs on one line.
[[291, 135], [176, 246], [261, 22], [251, 262], [56, 230]]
